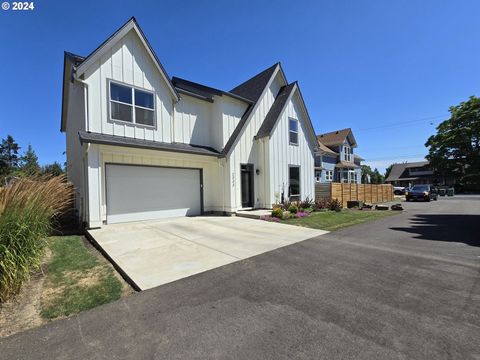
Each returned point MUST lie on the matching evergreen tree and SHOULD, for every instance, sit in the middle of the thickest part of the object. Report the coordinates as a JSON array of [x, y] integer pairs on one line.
[[29, 162], [9, 158]]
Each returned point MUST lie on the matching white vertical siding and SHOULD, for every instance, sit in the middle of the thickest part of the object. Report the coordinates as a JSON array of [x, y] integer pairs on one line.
[[128, 62], [76, 122], [193, 121], [203, 123], [282, 154]]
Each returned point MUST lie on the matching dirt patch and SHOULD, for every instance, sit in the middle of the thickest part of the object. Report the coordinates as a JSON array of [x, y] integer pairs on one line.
[[23, 312]]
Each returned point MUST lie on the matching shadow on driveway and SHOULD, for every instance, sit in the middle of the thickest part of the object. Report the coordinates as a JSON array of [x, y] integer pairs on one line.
[[450, 228]]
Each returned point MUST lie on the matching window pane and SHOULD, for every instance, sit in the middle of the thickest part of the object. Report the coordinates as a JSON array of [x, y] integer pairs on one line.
[[294, 181], [293, 125], [293, 138], [121, 93], [144, 117], [143, 99], [121, 111]]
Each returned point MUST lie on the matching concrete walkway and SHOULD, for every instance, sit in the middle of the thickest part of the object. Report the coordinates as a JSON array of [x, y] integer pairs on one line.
[[153, 253]]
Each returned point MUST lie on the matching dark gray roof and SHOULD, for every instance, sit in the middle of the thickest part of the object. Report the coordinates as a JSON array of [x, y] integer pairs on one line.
[[253, 88], [399, 169], [204, 91], [275, 111], [96, 138]]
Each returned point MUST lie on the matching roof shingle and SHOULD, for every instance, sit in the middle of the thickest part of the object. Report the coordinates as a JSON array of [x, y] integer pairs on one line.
[[253, 87], [335, 137]]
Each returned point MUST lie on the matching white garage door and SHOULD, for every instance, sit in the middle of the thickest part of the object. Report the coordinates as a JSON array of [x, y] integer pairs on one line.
[[137, 193]]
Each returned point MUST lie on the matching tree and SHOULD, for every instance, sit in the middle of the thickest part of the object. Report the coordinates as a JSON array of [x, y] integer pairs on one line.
[[9, 158], [29, 162], [455, 149], [373, 175], [366, 174], [54, 169], [376, 177]]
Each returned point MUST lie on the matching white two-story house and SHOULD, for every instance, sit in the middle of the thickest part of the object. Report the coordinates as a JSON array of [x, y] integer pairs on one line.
[[142, 145]]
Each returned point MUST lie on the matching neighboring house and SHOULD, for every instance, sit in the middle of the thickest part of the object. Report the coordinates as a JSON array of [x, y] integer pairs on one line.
[[143, 146], [409, 174], [335, 160]]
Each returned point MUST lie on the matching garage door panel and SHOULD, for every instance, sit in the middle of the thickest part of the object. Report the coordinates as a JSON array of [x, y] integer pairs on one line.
[[144, 193]]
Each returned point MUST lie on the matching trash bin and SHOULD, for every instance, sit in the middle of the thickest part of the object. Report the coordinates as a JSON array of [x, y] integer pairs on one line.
[[451, 191], [442, 192]]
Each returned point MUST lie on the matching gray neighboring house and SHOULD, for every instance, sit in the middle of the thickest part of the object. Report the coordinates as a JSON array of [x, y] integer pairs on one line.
[[413, 173]]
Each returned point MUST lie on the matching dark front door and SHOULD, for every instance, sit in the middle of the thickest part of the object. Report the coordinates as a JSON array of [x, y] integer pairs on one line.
[[247, 184]]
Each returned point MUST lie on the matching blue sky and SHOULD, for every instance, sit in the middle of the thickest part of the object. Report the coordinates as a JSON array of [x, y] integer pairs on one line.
[[387, 69]]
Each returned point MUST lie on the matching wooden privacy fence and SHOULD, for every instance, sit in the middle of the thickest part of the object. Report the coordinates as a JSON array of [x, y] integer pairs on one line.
[[368, 193]]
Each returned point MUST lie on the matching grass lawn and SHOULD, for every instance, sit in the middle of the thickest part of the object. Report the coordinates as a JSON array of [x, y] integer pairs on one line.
[[331, 220], [76, 279]]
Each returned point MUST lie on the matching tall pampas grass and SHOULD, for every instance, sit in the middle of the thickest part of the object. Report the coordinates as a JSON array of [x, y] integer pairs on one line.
[[28, 208]]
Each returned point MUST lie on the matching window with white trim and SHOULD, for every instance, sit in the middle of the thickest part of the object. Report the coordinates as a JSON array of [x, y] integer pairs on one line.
[[347, 153], [328, 175], [131, 105], [318, 175], [293, 131]]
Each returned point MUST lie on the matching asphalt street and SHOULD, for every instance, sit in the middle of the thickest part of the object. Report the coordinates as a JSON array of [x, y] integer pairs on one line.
[[403, 287]]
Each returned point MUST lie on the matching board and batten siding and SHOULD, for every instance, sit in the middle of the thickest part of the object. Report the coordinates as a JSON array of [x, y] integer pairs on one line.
[[282, 154], [128, 62], [203, 123], [247, 149]]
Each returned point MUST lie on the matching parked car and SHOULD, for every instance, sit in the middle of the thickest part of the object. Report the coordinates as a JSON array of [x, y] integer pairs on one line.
[[399, 190], [421, 192]]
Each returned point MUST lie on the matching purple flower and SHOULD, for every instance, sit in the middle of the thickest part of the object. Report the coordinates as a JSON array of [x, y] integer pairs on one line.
[[269, 218], [301, 214]]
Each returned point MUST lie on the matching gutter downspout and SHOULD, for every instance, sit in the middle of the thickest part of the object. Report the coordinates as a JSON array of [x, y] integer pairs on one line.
[[220, 163], [85, 92]]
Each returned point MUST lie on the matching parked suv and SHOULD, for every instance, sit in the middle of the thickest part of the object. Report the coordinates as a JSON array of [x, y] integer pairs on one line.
[[421, 192]]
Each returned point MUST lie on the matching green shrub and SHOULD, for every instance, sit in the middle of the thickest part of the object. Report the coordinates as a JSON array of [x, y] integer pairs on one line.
[[306, 204], [293, 209], [27, 208], [277, 213]]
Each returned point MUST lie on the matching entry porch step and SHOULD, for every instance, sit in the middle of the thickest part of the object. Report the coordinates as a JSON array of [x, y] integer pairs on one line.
[[254, 214]]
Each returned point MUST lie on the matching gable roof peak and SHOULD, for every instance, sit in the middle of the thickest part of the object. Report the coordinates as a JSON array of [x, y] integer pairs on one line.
[[131, 24], [337, 137], [253, 88]]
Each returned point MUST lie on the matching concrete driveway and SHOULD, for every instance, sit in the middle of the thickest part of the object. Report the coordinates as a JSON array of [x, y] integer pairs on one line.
[[153, 253]]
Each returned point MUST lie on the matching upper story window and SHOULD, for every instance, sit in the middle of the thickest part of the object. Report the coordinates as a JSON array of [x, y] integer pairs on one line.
[[347, 153], [293, 131], [131, 105]]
